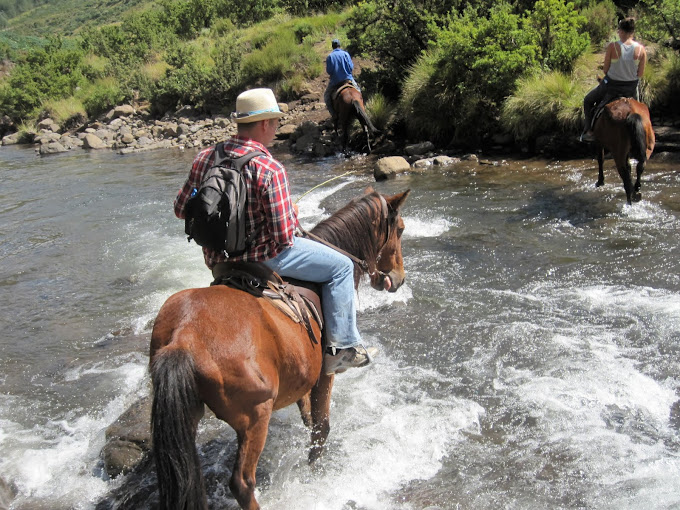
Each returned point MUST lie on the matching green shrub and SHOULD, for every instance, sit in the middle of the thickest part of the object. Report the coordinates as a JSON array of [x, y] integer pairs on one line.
[[600, 21], [542, 103], [556, 28], [381, 111], [455, 90], [64, 111], [101, 96]]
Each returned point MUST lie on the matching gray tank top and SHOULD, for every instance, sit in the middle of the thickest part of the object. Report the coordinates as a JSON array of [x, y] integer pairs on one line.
[[624, 68]]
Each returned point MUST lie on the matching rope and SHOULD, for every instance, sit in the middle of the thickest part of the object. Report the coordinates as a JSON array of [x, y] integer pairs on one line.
[[324, 183]]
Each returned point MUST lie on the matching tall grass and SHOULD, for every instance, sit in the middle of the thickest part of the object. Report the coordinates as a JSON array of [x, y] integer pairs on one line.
[[419, 104], [542, 103], [65, 111], [381, 111]]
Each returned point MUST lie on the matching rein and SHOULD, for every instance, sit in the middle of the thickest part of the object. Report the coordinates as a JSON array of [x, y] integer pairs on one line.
[[361, 262]]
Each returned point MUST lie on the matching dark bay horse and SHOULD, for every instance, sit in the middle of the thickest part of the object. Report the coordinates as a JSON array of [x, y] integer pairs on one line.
[[348, 104], [244, 359], [625, 130]]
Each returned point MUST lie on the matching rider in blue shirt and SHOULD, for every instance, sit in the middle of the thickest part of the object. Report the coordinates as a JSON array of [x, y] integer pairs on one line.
[[339, 67]]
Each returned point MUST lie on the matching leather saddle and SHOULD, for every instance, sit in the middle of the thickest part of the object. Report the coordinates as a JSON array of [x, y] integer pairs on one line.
[[347, 84], [298, 299]]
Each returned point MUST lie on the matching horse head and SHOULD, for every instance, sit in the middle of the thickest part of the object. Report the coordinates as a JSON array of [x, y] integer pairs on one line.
[[370, 228], [390, 274]]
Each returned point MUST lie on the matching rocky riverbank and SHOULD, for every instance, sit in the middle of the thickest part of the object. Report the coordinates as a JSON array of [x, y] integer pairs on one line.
[[305, 129]]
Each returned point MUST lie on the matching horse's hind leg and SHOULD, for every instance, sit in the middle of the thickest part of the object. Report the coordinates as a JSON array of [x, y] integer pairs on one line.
[[251, 430], [624, 171], [600, 166], [368, 138], [305, 406], [637, 196]]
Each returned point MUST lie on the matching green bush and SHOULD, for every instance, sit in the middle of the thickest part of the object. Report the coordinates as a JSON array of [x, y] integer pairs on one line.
[[600, 21], [556, 28], [544, 102], [381, 111], [100, 96], [455, 91]]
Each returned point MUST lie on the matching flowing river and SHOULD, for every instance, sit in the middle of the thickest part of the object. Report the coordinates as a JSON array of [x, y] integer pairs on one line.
[[530, 361]]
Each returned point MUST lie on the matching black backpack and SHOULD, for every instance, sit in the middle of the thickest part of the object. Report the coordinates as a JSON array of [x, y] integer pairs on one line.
[[216, 212]]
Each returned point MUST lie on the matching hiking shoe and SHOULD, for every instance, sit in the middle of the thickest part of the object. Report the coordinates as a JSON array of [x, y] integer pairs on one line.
[[587, 136], [336, 361]]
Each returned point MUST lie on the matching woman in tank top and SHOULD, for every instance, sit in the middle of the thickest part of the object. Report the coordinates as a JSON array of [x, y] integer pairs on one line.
[[624, 65]]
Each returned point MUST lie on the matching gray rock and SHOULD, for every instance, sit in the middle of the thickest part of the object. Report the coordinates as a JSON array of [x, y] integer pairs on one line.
[[419, 148], [390, 166], [124, 110], [127, 138], [12, 139], [128, 438], [445, 160], [92, 141], [169, 130], [285, 132], [52, 148], [423, 163], [48, 124]]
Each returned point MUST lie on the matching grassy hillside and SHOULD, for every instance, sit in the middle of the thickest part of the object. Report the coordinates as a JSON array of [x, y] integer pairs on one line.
[[68, 17]]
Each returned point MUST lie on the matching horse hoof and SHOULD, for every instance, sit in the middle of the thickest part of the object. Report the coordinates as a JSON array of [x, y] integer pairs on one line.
[[637, 197], [599, 183]]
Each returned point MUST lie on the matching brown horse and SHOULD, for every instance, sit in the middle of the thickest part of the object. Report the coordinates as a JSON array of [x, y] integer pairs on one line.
[[244, 358], [625, 130], [348, 104]]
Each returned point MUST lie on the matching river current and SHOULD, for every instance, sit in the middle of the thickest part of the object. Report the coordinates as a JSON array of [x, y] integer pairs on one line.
[[530, 360]]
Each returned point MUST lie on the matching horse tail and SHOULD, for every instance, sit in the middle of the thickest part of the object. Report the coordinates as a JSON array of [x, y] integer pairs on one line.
[[173, 427], [362, 116], [638, 137]]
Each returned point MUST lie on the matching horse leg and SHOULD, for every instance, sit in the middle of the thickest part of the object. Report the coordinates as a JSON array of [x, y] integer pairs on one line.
[[368, 138], [623, 166], [637, 196], [251, 431], [305, 406], [600, 165], [321, 404]]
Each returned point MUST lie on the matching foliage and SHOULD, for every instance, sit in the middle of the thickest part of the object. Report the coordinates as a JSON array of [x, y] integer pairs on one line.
[[660, 22], [394, 33], [50, 72], [381, 111], [556, 27], [455, 90], [542, 103], [101, 96], [600, 21], [65, 111]]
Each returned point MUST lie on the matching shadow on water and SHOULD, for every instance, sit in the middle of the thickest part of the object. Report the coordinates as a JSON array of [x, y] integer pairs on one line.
[[578, 208]]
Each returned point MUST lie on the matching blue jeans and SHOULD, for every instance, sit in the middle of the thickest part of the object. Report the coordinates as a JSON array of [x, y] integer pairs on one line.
[[314, 262]]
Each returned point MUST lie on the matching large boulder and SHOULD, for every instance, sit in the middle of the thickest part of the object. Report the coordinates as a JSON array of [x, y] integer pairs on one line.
[[92, 141], [389, 167], [52, 148], [128, 439]]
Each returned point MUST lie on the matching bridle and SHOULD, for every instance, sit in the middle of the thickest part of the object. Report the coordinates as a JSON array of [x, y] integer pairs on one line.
[[384, 216]]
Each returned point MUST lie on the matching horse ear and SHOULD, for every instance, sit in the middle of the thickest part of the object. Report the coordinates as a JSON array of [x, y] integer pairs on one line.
[[396, 201], [369, 190]]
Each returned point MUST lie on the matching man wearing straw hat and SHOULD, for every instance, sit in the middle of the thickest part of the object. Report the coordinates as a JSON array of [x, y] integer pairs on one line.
[[269, 204]]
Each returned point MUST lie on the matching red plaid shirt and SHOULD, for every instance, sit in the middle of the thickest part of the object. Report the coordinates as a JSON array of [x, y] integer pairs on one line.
[[268, 203]]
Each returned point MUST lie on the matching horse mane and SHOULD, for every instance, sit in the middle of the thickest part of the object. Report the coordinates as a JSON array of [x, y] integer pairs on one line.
[[351, 227]]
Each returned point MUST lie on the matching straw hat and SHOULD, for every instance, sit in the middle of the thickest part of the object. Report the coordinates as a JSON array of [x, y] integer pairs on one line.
[[256, 104]]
